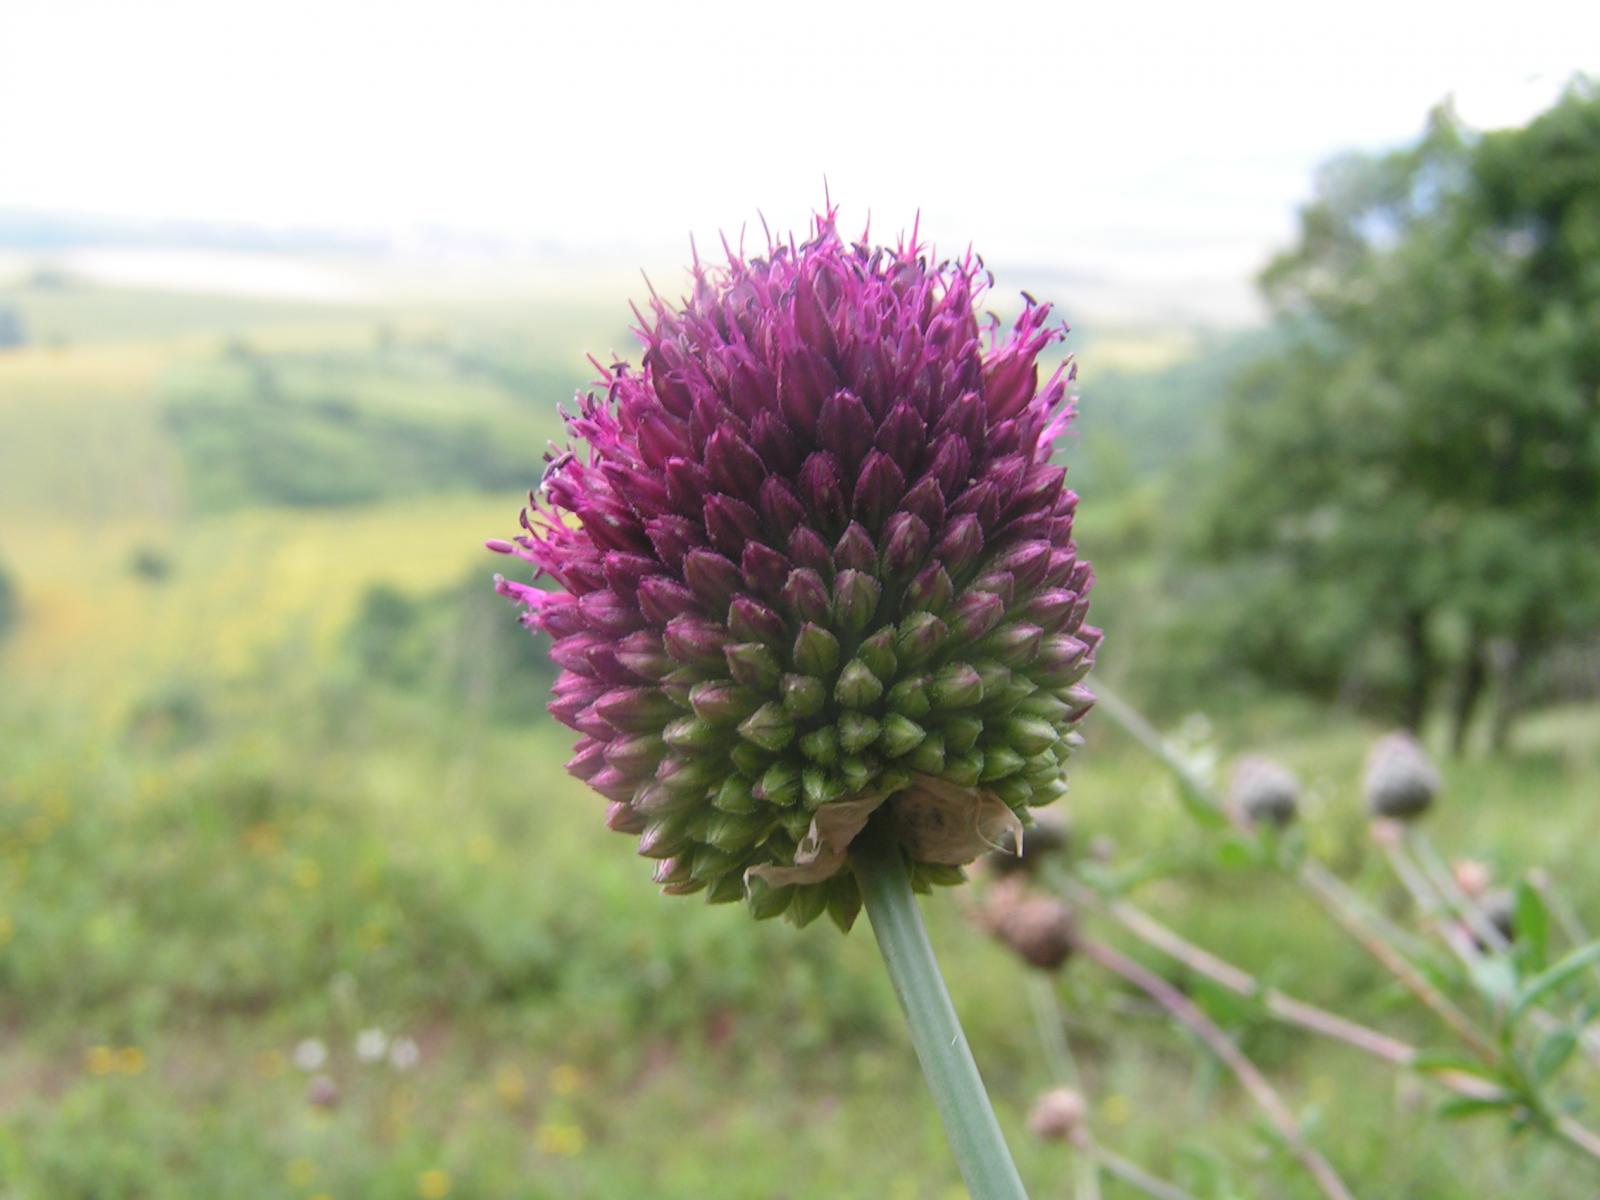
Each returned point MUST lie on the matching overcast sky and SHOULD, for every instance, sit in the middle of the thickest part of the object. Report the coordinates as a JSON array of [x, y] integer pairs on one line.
[[1167, 140]]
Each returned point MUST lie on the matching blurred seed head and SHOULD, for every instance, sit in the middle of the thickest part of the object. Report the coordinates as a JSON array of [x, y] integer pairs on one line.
[[1471, 876], [322, 1091], [1264, 792], [1058, 1115], [1040, 929], [813, 553], [1401, 781]]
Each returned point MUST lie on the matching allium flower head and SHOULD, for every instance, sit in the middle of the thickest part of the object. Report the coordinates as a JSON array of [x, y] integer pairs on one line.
[[1264, 792], [813, 559], [1401, 780]]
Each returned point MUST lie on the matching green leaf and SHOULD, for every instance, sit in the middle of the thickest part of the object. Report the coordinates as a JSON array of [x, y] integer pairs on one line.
[[1432, 1061], [1552, 1053], [1496, 978], [1557, 976], [1462, 1107], [1532, 923], [1236, 854]]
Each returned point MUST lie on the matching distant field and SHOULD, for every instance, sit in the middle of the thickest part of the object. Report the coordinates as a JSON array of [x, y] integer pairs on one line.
[[143, 522]]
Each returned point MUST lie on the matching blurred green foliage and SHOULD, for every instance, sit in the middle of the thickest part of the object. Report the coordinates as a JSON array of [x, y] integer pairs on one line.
[[1413, 481]]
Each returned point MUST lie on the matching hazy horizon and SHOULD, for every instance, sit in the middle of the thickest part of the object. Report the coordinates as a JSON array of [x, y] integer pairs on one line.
[[1159, 154]]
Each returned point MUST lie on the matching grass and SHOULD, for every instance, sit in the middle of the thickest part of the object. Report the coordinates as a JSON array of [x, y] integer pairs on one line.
[[232, 830]]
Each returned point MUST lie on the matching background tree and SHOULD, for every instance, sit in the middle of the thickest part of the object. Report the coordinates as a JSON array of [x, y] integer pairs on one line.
[[1413, 480]]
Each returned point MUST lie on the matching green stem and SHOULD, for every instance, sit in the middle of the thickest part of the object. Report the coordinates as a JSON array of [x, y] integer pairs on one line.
[[952, 1075]]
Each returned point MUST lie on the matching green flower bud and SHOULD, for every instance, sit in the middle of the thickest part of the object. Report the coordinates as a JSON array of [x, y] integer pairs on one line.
[[754, 665], [769, 727], [956, 685], [816, 651], [803, 696], [857, 731], [858, 687]]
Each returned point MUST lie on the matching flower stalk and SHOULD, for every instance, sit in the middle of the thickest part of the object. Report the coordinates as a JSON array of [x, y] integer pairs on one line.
[[958, 1092]]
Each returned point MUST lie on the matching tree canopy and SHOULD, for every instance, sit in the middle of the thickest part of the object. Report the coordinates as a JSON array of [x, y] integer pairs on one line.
[[1411, 484]]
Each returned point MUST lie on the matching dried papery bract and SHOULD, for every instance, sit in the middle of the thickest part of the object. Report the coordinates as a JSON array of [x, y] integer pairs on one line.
[[809, 560]]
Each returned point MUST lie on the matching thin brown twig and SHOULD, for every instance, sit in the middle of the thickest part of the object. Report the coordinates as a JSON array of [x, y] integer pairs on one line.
[[1278, 1004], [1183, 1010], [1397, 965]]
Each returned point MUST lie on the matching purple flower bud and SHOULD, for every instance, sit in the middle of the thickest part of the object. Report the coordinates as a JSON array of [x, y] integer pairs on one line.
[[997, 583], [779, 506], [591, 757], [1026, 563], [764, 569], [925, 500], [663, 597], [846, 429], [1049, 609], [973, 614], [687, 484], [878, 489], [905, 543], [713, 579], [694, 641], [634, 710], [771, 438], [733, 466], [1065, 658], [948, 461], [961, 543], [805, 382], [1015, 644], [672, 537], [902, 436], [855, 550], [931, 589], [821, 491], [806, 596], [751, 621], [807, 549], [622, 818], [730, 523]]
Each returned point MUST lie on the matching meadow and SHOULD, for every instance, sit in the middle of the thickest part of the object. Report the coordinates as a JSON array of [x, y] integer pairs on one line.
[[296, 900]]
